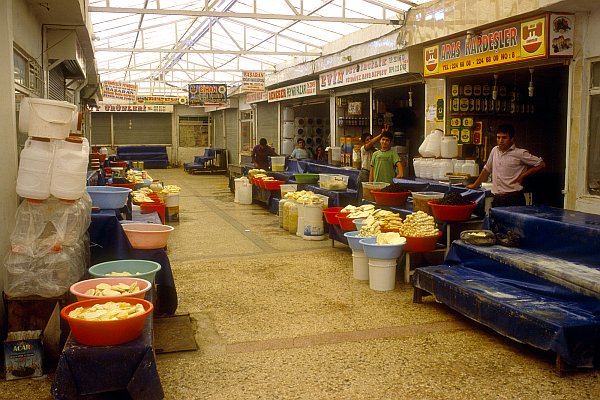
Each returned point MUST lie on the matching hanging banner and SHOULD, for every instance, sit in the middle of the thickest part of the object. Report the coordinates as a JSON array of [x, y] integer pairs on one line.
[[518, 41], [161, 100], [207, 94], [376, 68], [253, 81], [256, 97], [134, 108], [119, 90], [303, 89]]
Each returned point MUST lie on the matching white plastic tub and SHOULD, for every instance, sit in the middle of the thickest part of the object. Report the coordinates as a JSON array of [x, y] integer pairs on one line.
[[420, 200], [333, 181], [46, 118]]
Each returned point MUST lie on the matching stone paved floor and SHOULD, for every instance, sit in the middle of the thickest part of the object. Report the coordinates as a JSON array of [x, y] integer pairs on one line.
[[278, 317]]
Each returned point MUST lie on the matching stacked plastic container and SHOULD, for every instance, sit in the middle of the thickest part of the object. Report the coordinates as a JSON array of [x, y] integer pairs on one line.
[[49, 244]]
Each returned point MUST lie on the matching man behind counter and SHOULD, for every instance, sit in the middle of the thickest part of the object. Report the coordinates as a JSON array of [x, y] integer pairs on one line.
[[508, 165], [261, 153]]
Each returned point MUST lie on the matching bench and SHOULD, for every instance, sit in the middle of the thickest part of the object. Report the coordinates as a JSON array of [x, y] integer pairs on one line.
[[152, 156], [544, 293]]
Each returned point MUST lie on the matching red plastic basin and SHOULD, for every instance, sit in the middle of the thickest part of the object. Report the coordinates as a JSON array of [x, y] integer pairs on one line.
[[272, 184], [444, 212], [421, 243], [346, 223], [330, 214], [390, 198], [148, 207]]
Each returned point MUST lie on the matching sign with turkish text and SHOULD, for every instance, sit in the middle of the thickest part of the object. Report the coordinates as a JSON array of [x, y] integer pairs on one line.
[[514, 42], [255, 97], [253, 81], [160, 100], [207, 94], [135, 108], [376, 68], [303, 89], [119, 90]]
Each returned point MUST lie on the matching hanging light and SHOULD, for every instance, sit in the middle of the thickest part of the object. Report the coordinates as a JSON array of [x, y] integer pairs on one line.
[[495, 87], [410, 96], [530, 88], [130, 125]]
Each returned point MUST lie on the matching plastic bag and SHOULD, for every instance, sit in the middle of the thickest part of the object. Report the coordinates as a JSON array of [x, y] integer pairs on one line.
[[432, 145]]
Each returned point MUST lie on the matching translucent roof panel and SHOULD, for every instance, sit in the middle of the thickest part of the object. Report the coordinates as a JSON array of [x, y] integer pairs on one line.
[[162, 46]]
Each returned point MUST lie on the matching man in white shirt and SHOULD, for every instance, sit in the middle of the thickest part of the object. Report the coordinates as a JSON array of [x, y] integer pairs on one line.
[[508, 165]]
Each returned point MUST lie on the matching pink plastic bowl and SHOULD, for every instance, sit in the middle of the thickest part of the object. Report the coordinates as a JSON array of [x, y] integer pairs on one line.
[[79, 288], [146, 236]]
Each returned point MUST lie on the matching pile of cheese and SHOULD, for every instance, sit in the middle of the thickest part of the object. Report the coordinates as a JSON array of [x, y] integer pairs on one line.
[[390, 238], [304, 197], [419, 224], [167, 189], [141, 195], [108, 311]]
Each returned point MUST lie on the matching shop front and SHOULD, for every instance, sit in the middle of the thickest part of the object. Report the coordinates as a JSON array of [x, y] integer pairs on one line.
[[303, 114], [515, 73], [373, 94]]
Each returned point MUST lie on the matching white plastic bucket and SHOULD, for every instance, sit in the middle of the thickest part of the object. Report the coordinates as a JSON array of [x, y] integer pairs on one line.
[[69, 170], [360, 265], [449, 147], [288, 187], [288, 114], [236, 190], [245, 190], [172, 200], [287, 146], [281, 212], [278, 163], [49, 118], [382, 274], [289, 130], [35, 169], [313, 222], [300, 225]]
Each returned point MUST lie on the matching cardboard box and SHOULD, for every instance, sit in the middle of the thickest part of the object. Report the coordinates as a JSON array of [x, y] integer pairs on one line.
[[23, 354]]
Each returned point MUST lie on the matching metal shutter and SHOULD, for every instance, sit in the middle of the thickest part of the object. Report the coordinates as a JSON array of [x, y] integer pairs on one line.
[[267, 119], [56, 84], [142, 128], [231, 133], [219, 129], [100, 129]]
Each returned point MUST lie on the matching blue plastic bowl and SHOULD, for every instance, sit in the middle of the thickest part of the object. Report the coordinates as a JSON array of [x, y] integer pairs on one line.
[[386, 251], [143, 269], [354, 240], [108, 197], [359, 222]]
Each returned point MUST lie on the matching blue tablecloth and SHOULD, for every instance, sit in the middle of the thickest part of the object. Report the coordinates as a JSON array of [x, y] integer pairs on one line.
[[108, 242], [91, 370]]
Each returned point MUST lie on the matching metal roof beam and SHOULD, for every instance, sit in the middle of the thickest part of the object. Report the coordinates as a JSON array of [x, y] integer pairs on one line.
[[214, 51], [217, 14]]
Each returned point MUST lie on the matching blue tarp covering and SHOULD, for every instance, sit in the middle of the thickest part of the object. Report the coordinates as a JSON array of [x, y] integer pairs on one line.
[[544, 293]]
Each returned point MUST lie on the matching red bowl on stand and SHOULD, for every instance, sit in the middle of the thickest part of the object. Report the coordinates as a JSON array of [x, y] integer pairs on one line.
[[346, 223], [390, 198], [445, 212], [421, 243], [330, 214]]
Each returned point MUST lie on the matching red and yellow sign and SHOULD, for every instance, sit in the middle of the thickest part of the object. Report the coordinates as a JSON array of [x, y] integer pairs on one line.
[[510, 43]]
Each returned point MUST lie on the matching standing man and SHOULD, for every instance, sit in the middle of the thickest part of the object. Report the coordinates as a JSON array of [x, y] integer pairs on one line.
[[385, 163], [261, 153], [508, 165]]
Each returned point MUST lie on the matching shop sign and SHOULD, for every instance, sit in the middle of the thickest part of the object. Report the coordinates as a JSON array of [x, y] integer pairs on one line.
[[303, 89], [375, 68], [256, 97], [518, 41], [160, 100], [207, 94], [119, 90], [134, 108], [561, 35], [253, 81]]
